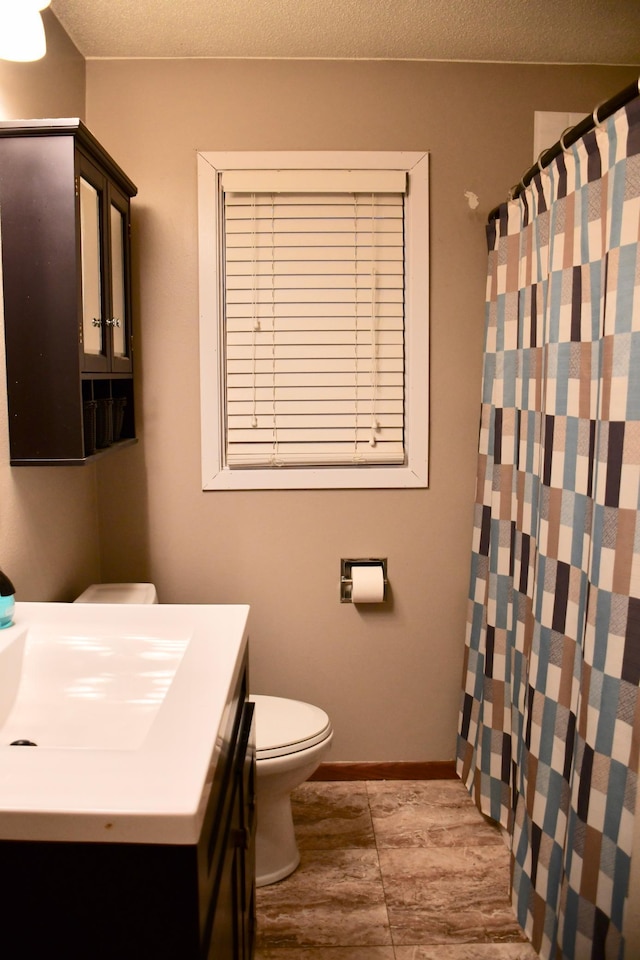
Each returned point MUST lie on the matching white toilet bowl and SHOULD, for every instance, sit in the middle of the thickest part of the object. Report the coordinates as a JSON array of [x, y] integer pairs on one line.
[[291, 739]]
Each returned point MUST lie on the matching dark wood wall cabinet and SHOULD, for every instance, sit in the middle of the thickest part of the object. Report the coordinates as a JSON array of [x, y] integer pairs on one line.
[[66, 267]]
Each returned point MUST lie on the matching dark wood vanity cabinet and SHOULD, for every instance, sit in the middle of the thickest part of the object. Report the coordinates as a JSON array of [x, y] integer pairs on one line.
[[232, 922], [147, 901], [66, 266]]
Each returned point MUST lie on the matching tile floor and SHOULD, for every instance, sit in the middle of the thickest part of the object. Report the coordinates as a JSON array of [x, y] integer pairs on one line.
[[391, 870]]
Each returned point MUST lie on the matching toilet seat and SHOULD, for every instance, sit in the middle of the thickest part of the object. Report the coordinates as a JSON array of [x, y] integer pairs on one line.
[[287, 726]]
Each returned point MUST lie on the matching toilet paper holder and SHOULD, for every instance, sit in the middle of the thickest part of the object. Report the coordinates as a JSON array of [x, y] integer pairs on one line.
[[346, 577]]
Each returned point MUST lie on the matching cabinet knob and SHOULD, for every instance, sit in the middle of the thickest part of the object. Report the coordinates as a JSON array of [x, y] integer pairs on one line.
[[96, 322], [113, 323]]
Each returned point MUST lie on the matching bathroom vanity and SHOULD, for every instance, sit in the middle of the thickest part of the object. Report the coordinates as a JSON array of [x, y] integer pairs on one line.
[[128, 831]]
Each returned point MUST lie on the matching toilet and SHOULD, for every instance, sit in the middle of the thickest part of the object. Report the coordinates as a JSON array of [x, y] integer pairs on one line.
[[118, 593], [292, 738]]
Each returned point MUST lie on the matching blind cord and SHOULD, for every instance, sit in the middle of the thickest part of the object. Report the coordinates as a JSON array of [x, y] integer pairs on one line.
[[255, 317], [375, 426], [274, 408], [356, 455]]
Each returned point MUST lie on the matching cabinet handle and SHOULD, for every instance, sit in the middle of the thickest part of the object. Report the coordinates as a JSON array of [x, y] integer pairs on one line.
[[97, 322], [240, 838]]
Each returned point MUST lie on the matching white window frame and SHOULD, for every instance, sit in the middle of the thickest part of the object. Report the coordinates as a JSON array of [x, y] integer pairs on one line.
[[414, 472]]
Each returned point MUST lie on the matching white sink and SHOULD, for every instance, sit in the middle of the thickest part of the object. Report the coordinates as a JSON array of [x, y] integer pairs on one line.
[[124, 704]]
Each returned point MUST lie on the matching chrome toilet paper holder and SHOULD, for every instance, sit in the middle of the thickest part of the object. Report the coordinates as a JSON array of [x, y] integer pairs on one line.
[[346, 577]]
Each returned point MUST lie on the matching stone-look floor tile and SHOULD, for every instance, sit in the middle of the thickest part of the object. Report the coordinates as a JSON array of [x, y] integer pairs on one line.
[[334, 898], [448, 895], [326, 953], [423, 813], [331, 816], [467, 951]]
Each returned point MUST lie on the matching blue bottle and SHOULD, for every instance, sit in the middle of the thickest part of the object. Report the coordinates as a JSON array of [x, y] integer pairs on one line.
[[7, 601]]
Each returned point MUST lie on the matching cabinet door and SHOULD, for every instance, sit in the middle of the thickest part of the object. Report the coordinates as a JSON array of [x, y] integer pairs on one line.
[[94, 304], [119, 321], [105, 300], [247, 867]]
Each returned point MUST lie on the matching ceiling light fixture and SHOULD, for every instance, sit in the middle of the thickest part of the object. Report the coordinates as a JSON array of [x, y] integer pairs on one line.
[[22, 30]]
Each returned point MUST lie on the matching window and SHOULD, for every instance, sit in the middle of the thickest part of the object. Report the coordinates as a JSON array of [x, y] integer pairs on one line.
[[313, 319]]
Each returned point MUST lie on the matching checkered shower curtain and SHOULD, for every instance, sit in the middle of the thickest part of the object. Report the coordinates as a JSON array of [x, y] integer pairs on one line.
[[549, 729]]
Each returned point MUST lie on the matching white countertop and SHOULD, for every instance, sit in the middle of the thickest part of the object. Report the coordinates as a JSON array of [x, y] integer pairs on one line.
[[95, 776]]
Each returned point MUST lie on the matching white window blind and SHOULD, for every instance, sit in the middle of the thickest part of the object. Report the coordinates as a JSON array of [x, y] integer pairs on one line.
[[313, 300]]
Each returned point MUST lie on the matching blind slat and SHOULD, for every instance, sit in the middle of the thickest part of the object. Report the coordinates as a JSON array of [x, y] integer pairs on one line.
[[263, 284], [334, 457], [316, 378], [310, 365], [305, 295], [306, 434], [295, 268], [314, 351], [306, 225], [328, 254], [346, 308], [275, 243], [392, 395], [284, 338], [239, 325], [245, 407]]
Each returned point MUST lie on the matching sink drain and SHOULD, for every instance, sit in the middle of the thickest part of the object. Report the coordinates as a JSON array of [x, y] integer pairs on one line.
[[23, 743]]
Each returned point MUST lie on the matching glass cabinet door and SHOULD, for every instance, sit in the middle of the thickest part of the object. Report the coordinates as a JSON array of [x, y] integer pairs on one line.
[[93, 328], [118, 289], [104, 253], [119, 304]]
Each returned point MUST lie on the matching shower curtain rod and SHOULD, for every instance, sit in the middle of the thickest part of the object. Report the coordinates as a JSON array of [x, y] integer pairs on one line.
[[571, 136]]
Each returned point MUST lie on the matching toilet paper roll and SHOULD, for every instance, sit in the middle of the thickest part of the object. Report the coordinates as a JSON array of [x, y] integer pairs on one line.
[[368, 584]]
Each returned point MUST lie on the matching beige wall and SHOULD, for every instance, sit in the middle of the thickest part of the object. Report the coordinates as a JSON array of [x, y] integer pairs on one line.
[[51, 87], [388, 676], [48, 516]]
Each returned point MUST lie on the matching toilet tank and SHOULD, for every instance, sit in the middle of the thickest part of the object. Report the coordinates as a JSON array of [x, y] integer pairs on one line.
[[119, 593]]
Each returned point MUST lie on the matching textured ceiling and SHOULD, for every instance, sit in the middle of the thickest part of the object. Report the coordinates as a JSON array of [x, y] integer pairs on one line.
[[532, 31]]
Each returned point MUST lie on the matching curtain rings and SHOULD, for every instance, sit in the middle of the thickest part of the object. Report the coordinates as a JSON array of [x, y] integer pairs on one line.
[[598, 124], [516, 190], [567, 130], [542, 170]]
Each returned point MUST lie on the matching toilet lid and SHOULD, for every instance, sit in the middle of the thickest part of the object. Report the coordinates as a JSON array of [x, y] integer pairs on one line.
[[287, 726]]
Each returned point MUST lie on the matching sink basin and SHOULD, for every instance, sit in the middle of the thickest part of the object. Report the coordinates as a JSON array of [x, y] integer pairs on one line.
[[123, 704], [84, 689]]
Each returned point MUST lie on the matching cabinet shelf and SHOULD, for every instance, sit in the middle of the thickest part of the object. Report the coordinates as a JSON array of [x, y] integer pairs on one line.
[[40, 462], [66, 265]]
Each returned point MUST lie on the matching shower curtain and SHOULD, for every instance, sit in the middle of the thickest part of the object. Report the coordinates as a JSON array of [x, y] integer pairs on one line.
[[550, 716]]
